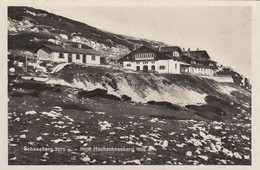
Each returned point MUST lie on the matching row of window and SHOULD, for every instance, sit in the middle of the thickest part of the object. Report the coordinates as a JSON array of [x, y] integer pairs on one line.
[[199, 69], [145, 68], [145, 55], [162, 67], [61, 55], [199, 63], [145, 62]]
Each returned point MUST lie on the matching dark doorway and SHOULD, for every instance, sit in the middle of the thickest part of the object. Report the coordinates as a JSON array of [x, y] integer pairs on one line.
[[137, 68], [84, 59], [70, 58], [153, 67], [145, 68]]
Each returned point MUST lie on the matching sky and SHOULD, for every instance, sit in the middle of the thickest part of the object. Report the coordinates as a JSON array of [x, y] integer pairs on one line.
[[223, 31]]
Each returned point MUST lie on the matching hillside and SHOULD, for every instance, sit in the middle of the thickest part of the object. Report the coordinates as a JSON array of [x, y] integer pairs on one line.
[[29, 28], [73, 109], [58, 113]]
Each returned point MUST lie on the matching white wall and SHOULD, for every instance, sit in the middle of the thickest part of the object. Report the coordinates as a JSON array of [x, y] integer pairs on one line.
[[90, 61], [54, 56], [226, 79], [132, 65], [174, 67], [75, 60], [43, 55], [201, 71], [169, 65], [164, 63]]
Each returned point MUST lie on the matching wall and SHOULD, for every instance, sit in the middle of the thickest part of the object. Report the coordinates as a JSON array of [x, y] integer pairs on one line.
[[162, 63], [43, 55], [226, 79], [169, 66], [90, 61], [54, 56], [201, 71], [174, 67]]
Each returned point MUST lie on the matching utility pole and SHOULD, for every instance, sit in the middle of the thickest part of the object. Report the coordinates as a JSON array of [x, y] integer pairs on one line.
[[25, 63]]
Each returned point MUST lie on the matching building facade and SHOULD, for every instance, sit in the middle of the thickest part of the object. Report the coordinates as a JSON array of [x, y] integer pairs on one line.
[[147, 59], [170, 60], [68, 54]]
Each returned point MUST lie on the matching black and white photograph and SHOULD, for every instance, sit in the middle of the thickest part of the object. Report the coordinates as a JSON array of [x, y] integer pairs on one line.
[[129, 85]]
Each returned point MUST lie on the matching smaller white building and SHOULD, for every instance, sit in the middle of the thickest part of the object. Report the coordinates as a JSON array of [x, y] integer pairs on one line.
[[68, 54]]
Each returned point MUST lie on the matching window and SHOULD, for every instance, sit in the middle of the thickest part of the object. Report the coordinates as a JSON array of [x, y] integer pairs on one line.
[[128, 65], [175, 54], [162, 67], [93, 57], [153, 67], [78, 57], [175, 65], [138, 68], [61, 55], [145, 62], [152, 62]]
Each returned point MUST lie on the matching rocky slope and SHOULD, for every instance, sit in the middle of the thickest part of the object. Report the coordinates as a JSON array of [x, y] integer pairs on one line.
[[34, 27], [70, 109], [29, 28], [66, 111]]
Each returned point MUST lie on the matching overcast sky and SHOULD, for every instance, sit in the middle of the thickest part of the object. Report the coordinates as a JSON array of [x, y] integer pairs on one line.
[[225, 32]]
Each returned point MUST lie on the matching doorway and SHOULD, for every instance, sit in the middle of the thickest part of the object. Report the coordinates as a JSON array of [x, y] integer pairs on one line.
[[70, 58], [145, 68], [84, 59]]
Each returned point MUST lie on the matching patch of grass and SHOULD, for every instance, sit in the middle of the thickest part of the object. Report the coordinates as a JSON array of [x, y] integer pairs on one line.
[[207, 108], [36, 86], [74, 107], [164, 117], [97, 93], [23, 93], [165, 104]]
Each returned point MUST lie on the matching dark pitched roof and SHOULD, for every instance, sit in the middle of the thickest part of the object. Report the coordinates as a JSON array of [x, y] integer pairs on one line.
[[163, 56], [199, 54], [194, 58], [212, 61], [170, 49], [56, 48]]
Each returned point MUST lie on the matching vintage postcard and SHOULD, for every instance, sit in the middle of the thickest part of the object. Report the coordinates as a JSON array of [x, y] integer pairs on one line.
[[131, 83]]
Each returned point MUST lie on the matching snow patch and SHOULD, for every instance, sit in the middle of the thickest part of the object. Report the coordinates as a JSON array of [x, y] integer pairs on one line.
[[59, 67], [30, 112], [105, 125], [137, 162]]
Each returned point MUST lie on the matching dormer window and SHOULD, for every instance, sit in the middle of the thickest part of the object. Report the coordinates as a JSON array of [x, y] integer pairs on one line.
[[175, 54]]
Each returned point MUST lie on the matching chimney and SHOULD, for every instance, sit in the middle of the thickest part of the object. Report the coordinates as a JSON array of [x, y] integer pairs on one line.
[[197, 49], [188, 51], [79, 45], [135, 47]]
